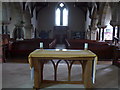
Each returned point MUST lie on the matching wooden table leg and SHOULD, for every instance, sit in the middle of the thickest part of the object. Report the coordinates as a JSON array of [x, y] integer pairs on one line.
[[37, 74], [83, 69], [88, 74]]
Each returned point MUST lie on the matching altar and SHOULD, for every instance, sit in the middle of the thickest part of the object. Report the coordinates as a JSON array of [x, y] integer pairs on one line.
[[88, 60]]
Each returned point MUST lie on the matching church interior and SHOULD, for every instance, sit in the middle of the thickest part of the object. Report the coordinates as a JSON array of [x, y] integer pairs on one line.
[[59, 25]]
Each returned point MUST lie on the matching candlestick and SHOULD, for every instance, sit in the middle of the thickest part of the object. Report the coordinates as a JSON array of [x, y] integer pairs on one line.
[[41, 45], [85, 46]]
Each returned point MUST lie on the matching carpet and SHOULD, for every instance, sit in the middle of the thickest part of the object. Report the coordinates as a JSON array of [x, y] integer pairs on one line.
[[16, 75]]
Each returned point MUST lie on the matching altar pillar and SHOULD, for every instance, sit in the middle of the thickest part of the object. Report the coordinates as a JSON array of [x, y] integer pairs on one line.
[[103, 30], [99, 34], [118, 31]]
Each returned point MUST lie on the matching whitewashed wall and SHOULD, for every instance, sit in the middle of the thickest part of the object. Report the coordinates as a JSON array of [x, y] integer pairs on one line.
[[76, 18], [88, 22], [27, 25], [16, 16], [46, 18]]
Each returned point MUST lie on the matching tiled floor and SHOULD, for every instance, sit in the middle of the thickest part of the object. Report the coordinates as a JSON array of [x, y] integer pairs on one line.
[[16, 75]]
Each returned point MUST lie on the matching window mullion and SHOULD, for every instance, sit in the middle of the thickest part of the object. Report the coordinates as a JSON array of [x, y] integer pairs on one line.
[[61, 17]]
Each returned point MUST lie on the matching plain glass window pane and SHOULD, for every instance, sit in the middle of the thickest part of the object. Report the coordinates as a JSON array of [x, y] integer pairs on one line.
[[65, 17], [58, 17]]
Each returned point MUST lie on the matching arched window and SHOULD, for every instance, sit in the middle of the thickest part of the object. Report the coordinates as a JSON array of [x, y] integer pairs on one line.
[[61, 15]]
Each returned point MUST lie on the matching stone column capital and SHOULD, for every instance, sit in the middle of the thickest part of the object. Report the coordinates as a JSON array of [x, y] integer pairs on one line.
[[118, 23], [102, 26], [113, 23]]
